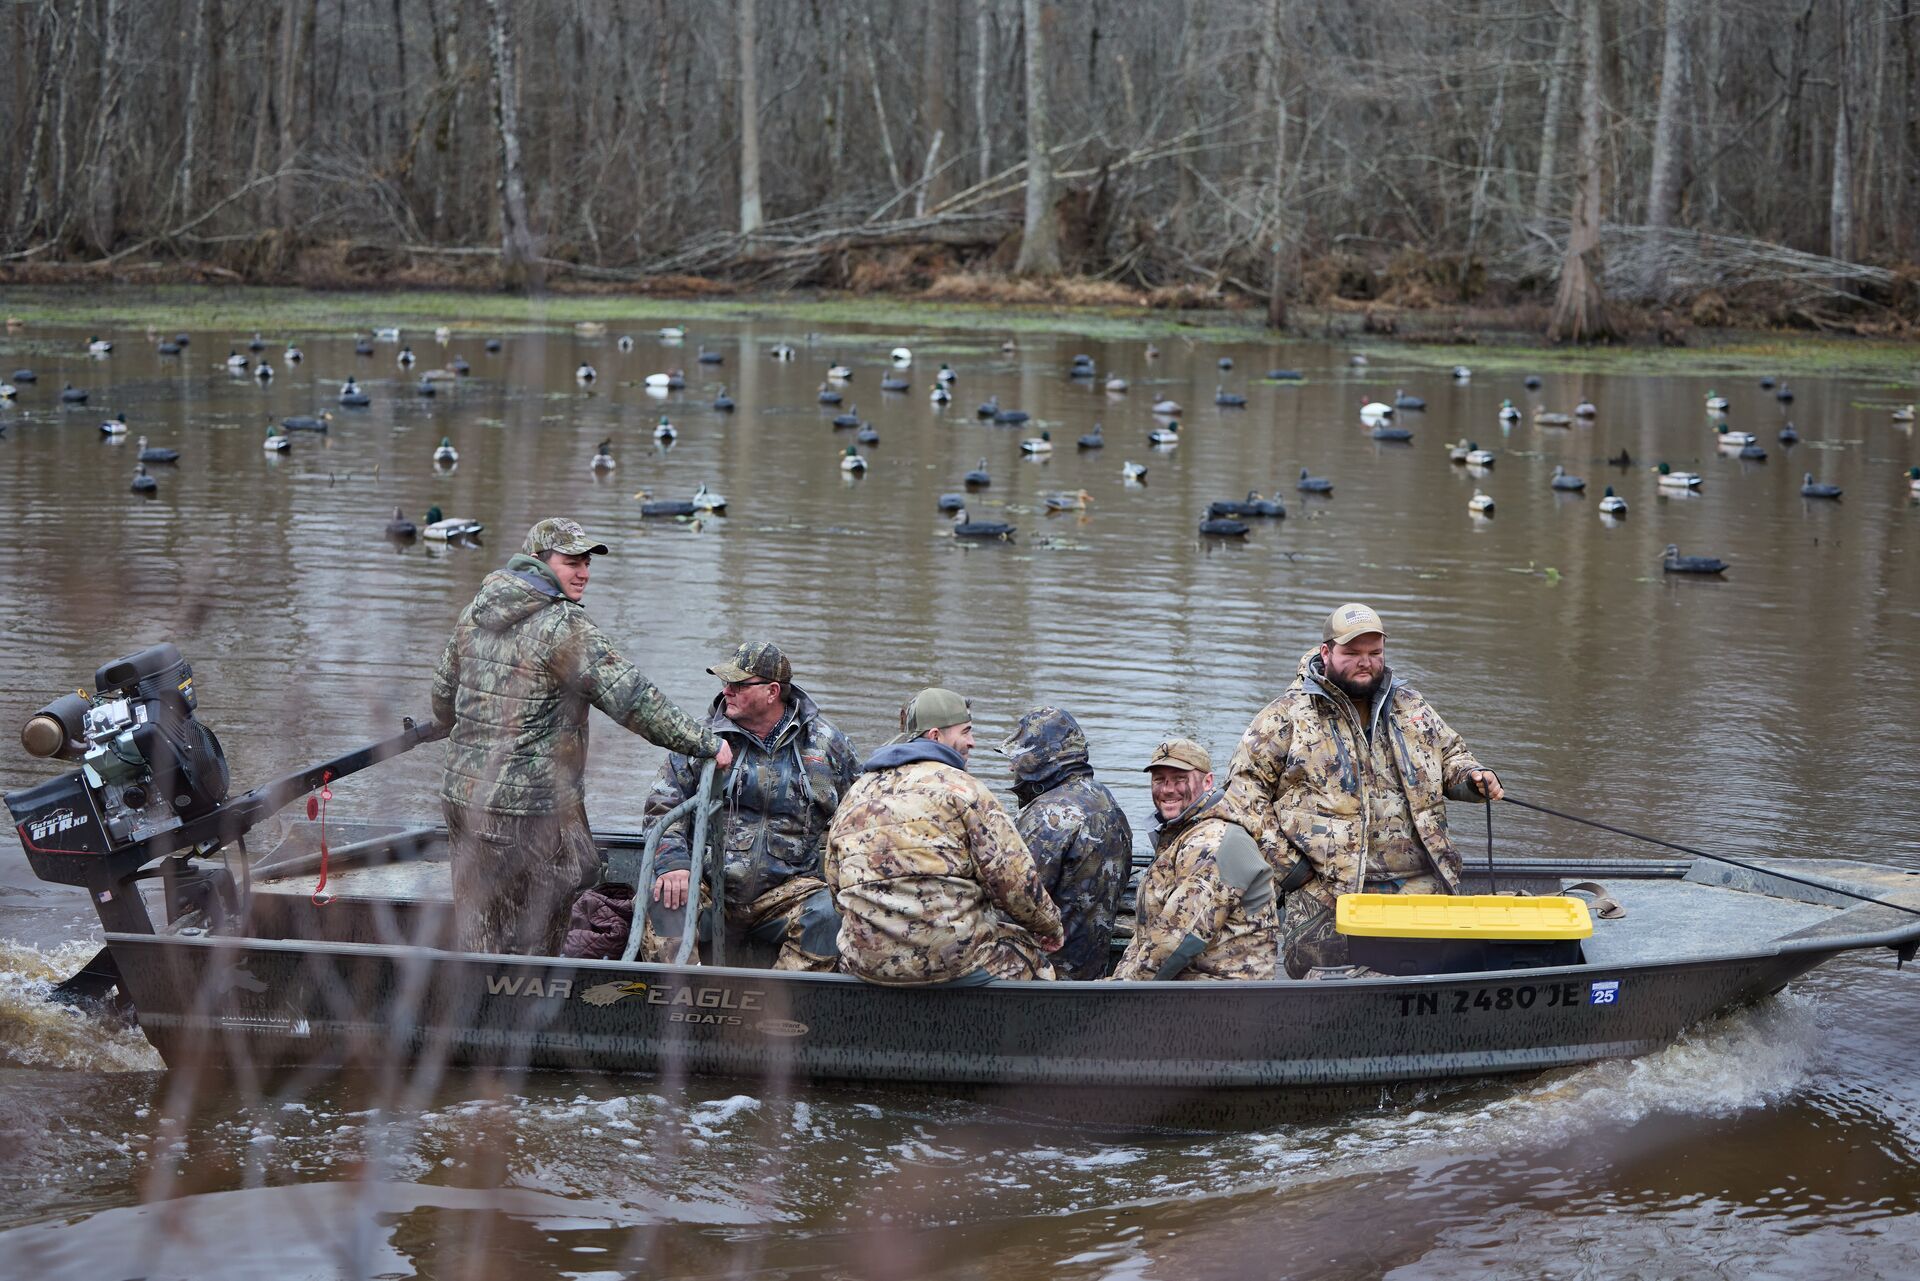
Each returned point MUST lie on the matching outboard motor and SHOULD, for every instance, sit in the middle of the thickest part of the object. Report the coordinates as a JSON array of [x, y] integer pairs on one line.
[[146, 766]]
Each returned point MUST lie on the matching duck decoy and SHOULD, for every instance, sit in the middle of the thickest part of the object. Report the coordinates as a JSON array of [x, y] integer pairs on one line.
[[1766, 382], [1152, 352], [449, 529], [167, 347], [851, 418], [1254, 505], [665, 430], [586, 373], [1371, 410], [154, 454], [1810, 488], [624, 342], [1567, 483], [362, 346], [980, 530], [182, 340], [603, 456], [1479, 503], [901, 356], [672, 333], [1311, 484], [851, 461], [988, 407], [1784, 394], [115, 426], [25, 376], [1904, 414], [491, 345], [1478, 457], [1133, 473], [1788, 436], [442, 334], [1753, 453], [1223, 527], [676, 379], [1167, 408], [839, 373], [828, 396], [1041, 444], [1621, 459], [97, 346], [256, 343], [8, 391], [1913, 481], [723, 402], [1357, 360], [142, 482], [978, 478], [1716, 403], [389, 333], [401, 528], [1462, 374], [460, 366], [1586, 409], [1508, 414], [426, 388], [780, 351], [1727, 439], [1392, 435], [1401, 400], [666, 508], [1674, 563], [1671, 479], [706, 500], [1227, 399], [1094, 439], [1165, 437], [1532, 382], [292, 355], [446, 453], [1116, 385], [73, 395], [307, 422], [939, 394], [263, 371], [1285, 375], [951, 502], [276, 441], [1082, 361], [946, 375], [405, 358], [1063, 501], [1225, 362], [868, 434], [1011, 417], [352, 397], [1457, 453], [1548, 418], [894, 382], [1611, 504]]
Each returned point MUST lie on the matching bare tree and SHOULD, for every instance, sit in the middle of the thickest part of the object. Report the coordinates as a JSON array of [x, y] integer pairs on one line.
[[1040, 239], [1580, 309], [750, 215], [1840, 201], [1663, 187], [519, 264], [1557, 76]]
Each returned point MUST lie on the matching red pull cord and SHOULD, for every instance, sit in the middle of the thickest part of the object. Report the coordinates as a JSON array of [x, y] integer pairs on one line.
[[317, 809]]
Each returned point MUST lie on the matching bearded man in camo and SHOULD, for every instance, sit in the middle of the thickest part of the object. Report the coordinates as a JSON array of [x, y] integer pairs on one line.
[[513, 687], [791, 769], [1077, 833], [933, 883], [1344, 781], [1206, 908]]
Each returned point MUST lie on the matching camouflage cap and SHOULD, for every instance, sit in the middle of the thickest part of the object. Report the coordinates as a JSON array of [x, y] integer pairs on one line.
[[936, 708], [558, 534], [1181, 753], [1042, 740], [1350, 620], [755, 660]]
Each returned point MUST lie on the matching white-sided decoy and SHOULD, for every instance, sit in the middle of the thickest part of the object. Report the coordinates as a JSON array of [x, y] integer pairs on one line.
[[443, 334], [1461, 373], [665, 430], [851, 461], [1167, 407], [780, 351], [1479, 503], [1668, 478], [1904, 414], [8, 391], [1116, 384], [1716, 403], [115, 426], [1133, 473], [1508, 414], [1041, 444], [1478, 457], [603, 456], [673, 333], [1373, 410], [1611, 504], [1586, 409], [237, 362], [405, 358], [900, 356], [705, 500], [940, 395], [352, 397], [446, 453], [1727, 439], [946, 374], [388, 334], [97, 346], [292, 355], [839, 373], [263, 371], [276, 441], [624, 342], [586, 373], [1549, 418]]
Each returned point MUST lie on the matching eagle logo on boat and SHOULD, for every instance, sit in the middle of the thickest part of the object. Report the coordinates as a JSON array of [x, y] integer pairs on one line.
[[608, 993]]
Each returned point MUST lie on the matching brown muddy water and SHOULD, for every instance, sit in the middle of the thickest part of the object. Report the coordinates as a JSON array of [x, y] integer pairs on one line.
[[1772, 711]]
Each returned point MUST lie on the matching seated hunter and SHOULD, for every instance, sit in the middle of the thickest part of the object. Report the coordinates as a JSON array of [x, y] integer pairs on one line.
[[1205, 908], [933, 883]]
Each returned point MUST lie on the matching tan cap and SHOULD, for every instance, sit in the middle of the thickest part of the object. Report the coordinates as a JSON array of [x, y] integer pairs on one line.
[[1181, 753], [755, 660], [1351, 620], [936, 708]]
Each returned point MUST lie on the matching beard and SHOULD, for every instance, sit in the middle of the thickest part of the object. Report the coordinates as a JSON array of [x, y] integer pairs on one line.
[[1359, 690]]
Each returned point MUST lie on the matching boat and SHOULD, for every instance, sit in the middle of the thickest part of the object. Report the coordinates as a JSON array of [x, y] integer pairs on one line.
[[324, 944]]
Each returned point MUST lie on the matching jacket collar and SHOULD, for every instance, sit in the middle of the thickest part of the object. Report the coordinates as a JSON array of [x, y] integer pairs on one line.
[[1313, 679], [1166, 829], [894, 755], [800, 712]]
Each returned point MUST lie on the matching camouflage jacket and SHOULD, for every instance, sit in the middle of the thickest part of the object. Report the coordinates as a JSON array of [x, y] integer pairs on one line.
[[1077, 833], [781, 793], [514, 683], [1298, 780], [1206, 907], [923, 864]]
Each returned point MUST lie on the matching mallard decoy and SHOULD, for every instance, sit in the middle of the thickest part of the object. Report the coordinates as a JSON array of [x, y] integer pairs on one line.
[[1167, 408], [1116, 385], [1913, 481], [1716, 403], [1810, 488], [1611, 504], [851, 461], [97, 346], [1041, 444], [154, 454], [276, 441], [263, 371], [1567, 483], [665, 430], [839, 373], [1311, 484], [1094, 439], [1508, 414], [292, 355], [946, 376], [980, 530], [115, 426], [1478, 457], [142, 482], [1479, 503], [705, 500], [446, 453], [401, 528], [449, 529], [1671, 479], [1166, 437], [939, 394], [603, 456], [1674, 563], [1133, 473], [673, 333]]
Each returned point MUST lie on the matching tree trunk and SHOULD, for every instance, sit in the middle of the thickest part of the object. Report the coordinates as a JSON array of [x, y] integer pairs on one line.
[[283, 189], [1557, 76], [1040, 242], [1663, 187], [519, 268], [189, 144], [103, 186], [1580, 310], [1840, 205], [750, 215], [1281, 212], [935, 183], [982, 64]]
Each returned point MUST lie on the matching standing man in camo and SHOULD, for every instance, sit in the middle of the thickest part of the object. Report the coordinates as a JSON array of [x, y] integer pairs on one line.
[[513, 687], [1077, 833], [1344, 780]]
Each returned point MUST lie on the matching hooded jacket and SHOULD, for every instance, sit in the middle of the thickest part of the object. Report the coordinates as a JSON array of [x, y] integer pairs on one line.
[[1206, 908], [927, 870], [1077, 833], [514, 683], [780, 793], [1299, 782]]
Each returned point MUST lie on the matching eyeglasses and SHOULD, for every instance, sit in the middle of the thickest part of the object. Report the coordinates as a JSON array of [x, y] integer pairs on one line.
[[743, 684]]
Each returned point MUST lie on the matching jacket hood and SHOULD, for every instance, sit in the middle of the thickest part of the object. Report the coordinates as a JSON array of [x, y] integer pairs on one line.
[[894, 755], [1045, 743], [510, 596], [1312, 679]]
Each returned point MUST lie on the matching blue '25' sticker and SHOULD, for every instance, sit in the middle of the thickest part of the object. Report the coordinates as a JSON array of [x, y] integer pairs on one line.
[[1604, 993]]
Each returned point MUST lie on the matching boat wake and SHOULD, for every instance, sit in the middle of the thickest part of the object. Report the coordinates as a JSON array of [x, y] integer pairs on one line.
[[39, 1032]]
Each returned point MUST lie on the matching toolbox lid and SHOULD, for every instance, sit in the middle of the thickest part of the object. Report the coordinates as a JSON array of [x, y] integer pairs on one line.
[[1463, 916]]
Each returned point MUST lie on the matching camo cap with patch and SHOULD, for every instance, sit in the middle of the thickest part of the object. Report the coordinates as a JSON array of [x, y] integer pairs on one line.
[[558, 534], [1181, 753], [755, 660]]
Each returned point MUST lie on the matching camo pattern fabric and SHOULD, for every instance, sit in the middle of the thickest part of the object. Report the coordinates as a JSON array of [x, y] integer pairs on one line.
[[779, 796], [1197, 918], [933, 882], [514, 684], [1077, 833], [515, 877], [797, 915], [1304, 779]]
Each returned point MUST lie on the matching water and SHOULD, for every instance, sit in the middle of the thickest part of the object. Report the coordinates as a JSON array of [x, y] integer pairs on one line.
[[1765, 713]]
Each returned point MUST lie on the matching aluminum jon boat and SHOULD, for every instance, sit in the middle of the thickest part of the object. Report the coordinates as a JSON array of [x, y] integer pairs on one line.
[[253, 969]]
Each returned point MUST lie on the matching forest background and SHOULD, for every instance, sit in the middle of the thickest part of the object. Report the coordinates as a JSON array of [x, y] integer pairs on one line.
[[1587, 166]]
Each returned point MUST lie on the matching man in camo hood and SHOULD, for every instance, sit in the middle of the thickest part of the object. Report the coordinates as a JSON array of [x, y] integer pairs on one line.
[[1075, 830], [513, 687]]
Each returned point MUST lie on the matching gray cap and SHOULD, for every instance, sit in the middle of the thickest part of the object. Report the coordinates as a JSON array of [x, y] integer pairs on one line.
[[936, 708], [558, 534]]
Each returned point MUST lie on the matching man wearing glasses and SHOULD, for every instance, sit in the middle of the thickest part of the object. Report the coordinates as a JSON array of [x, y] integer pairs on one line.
[[790, 769]]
